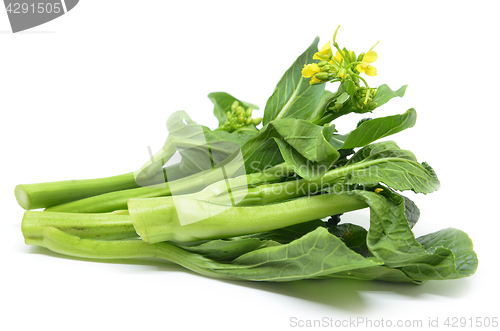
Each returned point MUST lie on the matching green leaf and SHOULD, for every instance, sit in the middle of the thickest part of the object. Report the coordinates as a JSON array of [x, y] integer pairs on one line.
[[379, 272], [224, 250], [446, 254], [386, 163], [372, 130], [303, 145], [350, 87], [294, 97], [199, 147], [320, 109], [412, 213], [354, 236], [288, 234], [222, 104], [458, 242], [384, 94], [315, 254]]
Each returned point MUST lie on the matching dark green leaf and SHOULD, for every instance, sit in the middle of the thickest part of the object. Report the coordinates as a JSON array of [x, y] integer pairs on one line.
[[354, 236], [294, 97], [446, 254], [303, 145], [224, 250], [316, 254], [288, 234], [320, 109], [386, 163], [379, 272], [384, 94], [372, 130]]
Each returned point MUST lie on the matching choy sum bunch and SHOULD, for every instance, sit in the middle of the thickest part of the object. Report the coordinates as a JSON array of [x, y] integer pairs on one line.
[[264, 203]]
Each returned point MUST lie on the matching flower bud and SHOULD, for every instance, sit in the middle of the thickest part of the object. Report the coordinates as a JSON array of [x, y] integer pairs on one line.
[[326, 68], [257, 121], [322, 76], [229, 115], [241, 119], [342, 73], [351, 56], [249, 121], [234, 105], [361, 56], [248, 113], [322, 63]]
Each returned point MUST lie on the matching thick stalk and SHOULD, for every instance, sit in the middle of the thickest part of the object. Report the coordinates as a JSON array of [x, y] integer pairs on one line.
[[109, 202], [110, 226], [277, 192], [44, 195], [118, 200], [186, 219], [63, 243]]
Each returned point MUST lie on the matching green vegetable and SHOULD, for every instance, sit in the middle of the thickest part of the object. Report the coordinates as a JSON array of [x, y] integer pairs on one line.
[[248, 203]]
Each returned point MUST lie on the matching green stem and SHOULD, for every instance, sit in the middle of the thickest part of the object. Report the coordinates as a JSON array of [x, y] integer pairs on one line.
[[346, 61], [278, 192], [364, 81], [184, 219], [118, 200], [374, 45], [42, 195], [335, 34], [63, 243], [117, 225], [109, 202], [352, 63]]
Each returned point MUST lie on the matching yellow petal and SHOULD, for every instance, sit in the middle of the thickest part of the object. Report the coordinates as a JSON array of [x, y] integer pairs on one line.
[[325, 53], [360, 68], [321, 57], [371, 71], [338, 57], [314, 80], [370, 57], [310, 69], [326, 47]]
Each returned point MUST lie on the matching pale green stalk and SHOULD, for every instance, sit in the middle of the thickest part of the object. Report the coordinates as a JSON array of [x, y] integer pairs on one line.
[[63, 243], [184, 219]]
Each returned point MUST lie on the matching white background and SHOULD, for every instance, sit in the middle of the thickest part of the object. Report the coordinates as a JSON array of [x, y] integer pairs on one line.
[[84, 95]]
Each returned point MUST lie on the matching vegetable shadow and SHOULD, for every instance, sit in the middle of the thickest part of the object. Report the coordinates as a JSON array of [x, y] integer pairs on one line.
[[343, 294], [348, 294], [145, 263]]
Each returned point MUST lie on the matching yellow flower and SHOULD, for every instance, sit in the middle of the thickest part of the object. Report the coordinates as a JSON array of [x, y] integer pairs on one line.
[[365, 67], [324, 54], [310, 69]]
